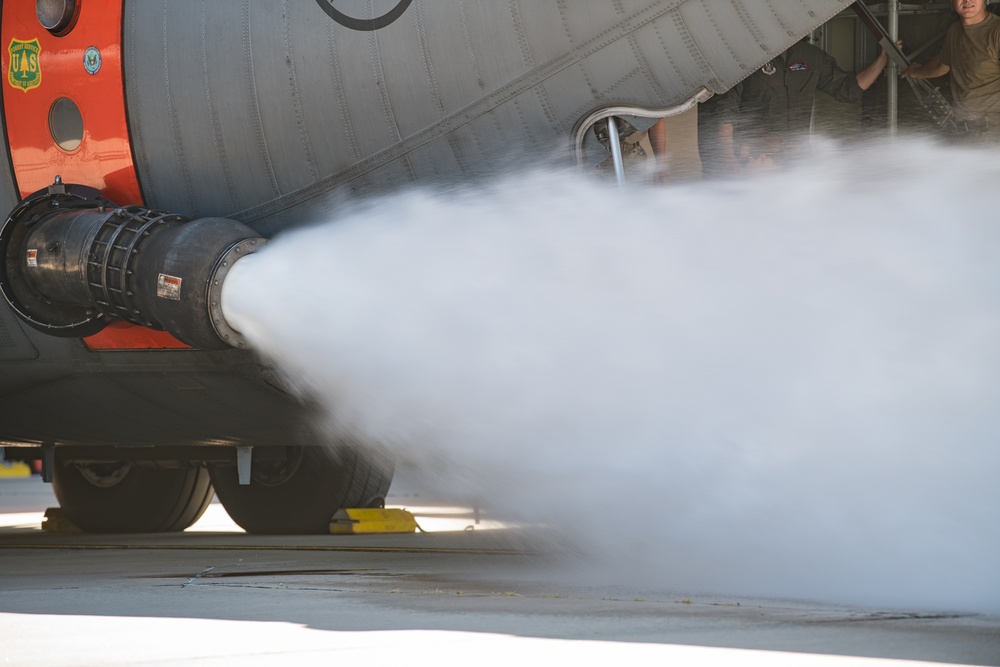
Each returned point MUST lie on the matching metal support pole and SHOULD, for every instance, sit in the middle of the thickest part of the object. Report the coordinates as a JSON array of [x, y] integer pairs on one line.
[[243, 458], [891, 71], [48, 462], [817, 38], [616, 151]]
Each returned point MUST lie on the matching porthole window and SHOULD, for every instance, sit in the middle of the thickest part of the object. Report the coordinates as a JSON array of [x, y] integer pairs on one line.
[[57, 16], [66, 124]]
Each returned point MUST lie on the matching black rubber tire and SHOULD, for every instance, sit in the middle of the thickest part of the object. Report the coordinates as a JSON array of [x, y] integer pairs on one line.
[[131, 499], [300, 497]]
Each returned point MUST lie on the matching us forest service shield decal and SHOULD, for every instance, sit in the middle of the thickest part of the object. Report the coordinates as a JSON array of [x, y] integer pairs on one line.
[[23, 71]]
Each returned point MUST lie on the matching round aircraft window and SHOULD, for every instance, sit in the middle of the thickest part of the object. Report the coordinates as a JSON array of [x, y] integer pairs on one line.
[[57, 16], [66, 124]]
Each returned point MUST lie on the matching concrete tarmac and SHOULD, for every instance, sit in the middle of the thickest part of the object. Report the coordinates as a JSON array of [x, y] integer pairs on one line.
[[489, 595]]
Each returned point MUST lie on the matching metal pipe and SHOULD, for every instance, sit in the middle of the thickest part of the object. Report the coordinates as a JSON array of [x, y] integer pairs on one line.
[[244, 456], [616, 151], [892, 72]]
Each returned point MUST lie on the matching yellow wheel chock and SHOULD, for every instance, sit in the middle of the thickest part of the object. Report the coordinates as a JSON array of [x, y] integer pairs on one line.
[[367, 521]]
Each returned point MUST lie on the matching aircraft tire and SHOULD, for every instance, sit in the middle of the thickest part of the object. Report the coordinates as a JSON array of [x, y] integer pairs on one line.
[[300, 496], [124, 498]]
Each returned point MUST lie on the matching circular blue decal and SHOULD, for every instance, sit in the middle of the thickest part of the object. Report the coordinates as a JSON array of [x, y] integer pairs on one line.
[[92, 60]]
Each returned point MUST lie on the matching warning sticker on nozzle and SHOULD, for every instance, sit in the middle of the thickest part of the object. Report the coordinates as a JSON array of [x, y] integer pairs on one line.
[[32, 257], [168, 287]]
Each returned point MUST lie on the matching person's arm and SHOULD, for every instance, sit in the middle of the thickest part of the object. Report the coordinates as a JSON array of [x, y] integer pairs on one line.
[[870, 74], [658, 140], [838, 83], [717, 119], [727, 150], [658, 137], [932, 69]]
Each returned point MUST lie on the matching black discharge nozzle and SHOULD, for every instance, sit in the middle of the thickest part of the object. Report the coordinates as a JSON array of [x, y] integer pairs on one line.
[[72, 262]]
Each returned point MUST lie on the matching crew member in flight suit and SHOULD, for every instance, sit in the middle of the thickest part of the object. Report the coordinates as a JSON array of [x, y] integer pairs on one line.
[[764, 116]]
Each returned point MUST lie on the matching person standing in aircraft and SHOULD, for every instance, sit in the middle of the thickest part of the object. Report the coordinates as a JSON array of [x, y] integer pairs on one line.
[[971, 55], [762, 119]]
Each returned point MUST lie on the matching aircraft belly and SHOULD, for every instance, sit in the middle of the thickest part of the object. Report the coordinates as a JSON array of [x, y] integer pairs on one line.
[[128, 408], [258, 112], [14, 345]]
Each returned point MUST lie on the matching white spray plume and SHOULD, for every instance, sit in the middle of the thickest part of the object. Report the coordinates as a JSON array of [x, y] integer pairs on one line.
[[785, 386]]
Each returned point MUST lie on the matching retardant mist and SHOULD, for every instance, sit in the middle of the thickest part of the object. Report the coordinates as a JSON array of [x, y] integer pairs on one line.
[[784, 386]]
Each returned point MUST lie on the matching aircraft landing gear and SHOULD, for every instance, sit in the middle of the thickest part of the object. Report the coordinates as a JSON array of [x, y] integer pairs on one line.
[[123, 497], [298, 491]]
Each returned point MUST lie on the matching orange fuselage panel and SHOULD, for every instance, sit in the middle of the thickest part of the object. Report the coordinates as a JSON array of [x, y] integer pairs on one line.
[[84, 67]]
